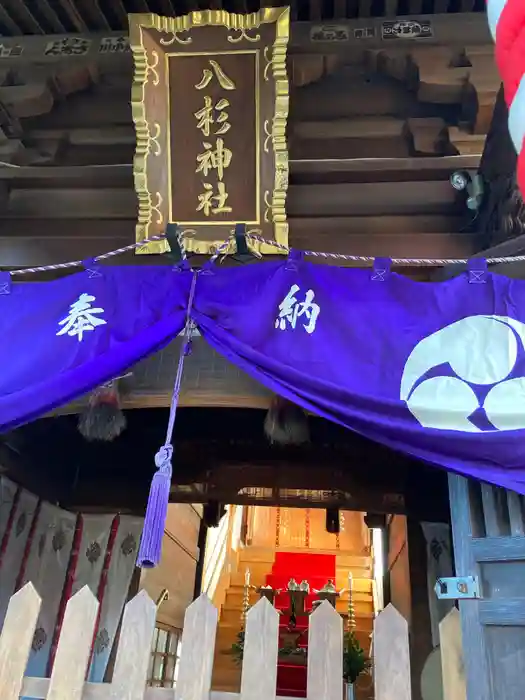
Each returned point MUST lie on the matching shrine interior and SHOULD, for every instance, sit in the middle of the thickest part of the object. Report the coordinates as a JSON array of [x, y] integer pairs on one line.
[[284, 496]]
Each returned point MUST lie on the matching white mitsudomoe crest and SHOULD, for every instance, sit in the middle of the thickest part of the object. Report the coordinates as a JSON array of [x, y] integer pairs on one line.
[[481, 351], [82, 317], [291, 310]]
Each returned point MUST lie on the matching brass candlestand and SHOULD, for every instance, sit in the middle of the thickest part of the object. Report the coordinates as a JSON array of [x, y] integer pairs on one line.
[[269, 593], [351, 611], [245, 597]]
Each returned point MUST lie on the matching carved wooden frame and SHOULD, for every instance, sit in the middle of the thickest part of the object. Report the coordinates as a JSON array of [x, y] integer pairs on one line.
[[151, 142]]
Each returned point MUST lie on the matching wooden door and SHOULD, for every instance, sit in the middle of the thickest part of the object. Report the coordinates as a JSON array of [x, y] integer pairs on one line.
[[489, 543]]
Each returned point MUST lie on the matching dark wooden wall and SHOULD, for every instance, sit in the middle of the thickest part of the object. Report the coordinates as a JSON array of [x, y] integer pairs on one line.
[[219, 453], [61, 16]]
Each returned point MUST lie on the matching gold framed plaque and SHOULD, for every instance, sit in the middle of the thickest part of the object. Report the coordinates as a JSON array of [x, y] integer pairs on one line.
[[210, 100]]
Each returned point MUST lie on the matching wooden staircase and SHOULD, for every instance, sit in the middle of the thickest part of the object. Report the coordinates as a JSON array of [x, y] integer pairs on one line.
[[226, 673]]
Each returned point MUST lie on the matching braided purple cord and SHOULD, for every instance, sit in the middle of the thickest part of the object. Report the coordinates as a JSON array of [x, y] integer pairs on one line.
[[368, 259]]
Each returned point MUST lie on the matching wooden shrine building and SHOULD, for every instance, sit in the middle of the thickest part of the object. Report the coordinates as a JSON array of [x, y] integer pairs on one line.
[[379, 120]]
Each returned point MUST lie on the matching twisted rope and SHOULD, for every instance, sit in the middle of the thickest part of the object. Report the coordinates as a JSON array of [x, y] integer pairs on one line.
[[365, 259], [369, 259], [79, 263]]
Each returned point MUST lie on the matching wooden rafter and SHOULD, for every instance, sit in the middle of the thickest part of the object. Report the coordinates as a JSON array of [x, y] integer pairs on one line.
[[9, 24], [94, 11], [23, 17], [46, 10]]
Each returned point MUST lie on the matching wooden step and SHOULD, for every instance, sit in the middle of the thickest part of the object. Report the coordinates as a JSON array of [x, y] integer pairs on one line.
[[227, 633], [226, 675], [226, 687], [259, 556], [258, 572], [343, 559], [226, 672]]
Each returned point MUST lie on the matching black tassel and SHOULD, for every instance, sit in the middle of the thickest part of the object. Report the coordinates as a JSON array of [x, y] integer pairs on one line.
[[286, 423], [332, 521], [103, 419], [212, 513]]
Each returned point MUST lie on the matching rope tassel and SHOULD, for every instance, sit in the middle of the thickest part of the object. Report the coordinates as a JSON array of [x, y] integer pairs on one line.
[[150, 549], [156, 510]]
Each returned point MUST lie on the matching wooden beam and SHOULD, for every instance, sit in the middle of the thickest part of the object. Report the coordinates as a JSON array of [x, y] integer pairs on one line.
[[368, 500], [230, 474], [411, 197], [45, 243], [359, 169], [61, 213], [468, 29], [334, 460], [21, 254]]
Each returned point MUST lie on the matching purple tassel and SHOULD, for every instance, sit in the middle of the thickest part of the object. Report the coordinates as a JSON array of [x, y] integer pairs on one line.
[[156, 511], [159, 494]]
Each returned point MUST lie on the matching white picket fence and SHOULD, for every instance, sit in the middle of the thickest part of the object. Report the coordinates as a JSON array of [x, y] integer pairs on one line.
[[259, 670]]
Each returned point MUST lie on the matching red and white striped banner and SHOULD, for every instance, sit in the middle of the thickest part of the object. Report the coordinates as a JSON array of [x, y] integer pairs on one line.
[[507, 25]]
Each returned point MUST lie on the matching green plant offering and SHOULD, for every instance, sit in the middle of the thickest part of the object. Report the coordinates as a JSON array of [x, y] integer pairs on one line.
[[289, 650], [237, 649], [355, 661]]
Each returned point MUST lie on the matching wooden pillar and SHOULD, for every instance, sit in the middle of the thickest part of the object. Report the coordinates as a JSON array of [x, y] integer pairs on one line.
[[420, 627], [199, 569], [408, 589]]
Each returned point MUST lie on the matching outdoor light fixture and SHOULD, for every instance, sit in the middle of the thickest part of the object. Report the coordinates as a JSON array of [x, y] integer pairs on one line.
[[472, 182], [459, 180]]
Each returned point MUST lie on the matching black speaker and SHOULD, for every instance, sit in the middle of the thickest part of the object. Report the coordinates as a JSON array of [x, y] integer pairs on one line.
[[375, 521]]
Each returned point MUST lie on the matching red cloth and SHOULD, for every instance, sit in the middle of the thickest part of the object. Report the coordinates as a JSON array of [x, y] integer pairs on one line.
[[510, 57], [317, 569]]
